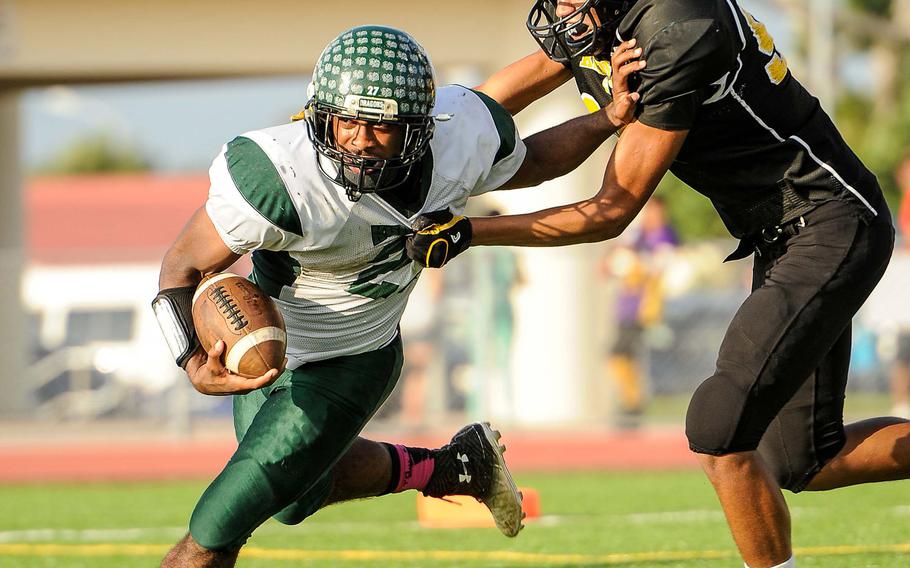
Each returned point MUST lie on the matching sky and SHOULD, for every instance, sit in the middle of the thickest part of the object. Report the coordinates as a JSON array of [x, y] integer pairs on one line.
[[180, 126], [177, 125]]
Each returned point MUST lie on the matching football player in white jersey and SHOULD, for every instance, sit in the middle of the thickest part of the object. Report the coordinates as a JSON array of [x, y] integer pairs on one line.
[[324, 204]]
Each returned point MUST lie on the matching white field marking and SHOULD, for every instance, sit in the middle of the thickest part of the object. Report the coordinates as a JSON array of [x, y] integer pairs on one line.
[[530, 558], [250, 341], [89, 535], [126, 534], [697, 515], [673, 517], [210, 282], [666, 517], [553, 520], [136, 533]]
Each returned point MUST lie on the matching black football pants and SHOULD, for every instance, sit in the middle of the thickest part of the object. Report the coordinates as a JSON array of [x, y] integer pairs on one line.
[[782, 368]]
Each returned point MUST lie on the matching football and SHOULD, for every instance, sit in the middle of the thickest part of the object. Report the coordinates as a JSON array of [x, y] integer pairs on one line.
[[233, 309]]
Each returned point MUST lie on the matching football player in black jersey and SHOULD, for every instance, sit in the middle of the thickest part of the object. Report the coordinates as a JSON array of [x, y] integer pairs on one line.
[[719, 108]]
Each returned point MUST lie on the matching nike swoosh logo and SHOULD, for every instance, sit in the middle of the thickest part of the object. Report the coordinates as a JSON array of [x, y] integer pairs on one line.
[[456, 237]]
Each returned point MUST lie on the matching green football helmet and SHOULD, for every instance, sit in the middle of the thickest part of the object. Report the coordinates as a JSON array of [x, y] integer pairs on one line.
[[376, 74]]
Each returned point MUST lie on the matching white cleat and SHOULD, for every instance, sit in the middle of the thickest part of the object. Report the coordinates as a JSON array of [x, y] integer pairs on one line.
[[503, 498]]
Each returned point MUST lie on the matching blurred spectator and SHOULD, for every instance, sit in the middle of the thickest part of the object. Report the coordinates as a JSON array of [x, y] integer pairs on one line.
[[637, 264], [420, 332], [900, 369], [496, 275]]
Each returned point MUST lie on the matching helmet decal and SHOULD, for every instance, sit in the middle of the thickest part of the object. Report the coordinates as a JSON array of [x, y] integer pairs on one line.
[[373, 60]]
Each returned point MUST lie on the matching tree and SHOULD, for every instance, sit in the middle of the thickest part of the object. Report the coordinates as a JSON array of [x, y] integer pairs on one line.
[[881, 8], [96, 153], [876, 122], [691, 213]]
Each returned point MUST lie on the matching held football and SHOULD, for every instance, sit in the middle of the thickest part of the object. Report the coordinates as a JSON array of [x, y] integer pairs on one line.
[[233, 309]]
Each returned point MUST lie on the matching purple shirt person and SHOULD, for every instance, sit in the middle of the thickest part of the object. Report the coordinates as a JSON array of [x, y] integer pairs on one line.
[[643, 262], [638, 267]]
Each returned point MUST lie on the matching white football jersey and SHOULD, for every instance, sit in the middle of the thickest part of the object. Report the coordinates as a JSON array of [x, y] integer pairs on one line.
[[337, 269]]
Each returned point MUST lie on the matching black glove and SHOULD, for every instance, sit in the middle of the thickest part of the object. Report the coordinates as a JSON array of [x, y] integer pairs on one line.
[[440, 237]]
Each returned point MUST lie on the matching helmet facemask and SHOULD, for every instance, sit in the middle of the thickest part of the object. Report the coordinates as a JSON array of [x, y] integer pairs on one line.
[[357, 173], [570, 36]]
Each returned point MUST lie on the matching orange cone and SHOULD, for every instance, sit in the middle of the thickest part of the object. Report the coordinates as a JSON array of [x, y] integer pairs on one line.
[[460, 511]]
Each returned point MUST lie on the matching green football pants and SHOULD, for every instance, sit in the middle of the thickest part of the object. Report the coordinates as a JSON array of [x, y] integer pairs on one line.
[[290, 436]]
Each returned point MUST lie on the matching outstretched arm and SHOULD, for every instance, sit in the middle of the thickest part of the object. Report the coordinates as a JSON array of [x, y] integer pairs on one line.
[[523, 82], [639, 161], [550, 154]]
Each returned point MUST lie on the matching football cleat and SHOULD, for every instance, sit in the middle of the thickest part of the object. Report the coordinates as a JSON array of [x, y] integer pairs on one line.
[[472, 464]]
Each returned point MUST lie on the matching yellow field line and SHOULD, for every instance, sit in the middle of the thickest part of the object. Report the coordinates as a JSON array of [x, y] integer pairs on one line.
[[83, 549], [158, 550]]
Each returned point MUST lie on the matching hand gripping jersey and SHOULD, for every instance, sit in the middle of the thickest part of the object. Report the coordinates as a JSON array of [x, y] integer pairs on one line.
[[337, 269], [759, 145]]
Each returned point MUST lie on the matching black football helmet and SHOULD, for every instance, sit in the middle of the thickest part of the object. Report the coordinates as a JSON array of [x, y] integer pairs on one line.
[[569, 36]]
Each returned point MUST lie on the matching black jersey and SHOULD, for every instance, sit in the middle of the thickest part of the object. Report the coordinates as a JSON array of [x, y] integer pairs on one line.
[[759, 145]]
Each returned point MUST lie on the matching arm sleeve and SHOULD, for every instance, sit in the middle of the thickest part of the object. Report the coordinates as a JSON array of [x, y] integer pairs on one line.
[[500, 145], [684, 59], [241, 227]]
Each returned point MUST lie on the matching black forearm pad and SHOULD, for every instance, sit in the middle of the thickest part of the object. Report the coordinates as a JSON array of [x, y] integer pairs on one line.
[[174, 310]]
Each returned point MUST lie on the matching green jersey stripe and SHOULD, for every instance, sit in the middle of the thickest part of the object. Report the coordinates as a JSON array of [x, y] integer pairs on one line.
[[505, 126], [273, 270], [259, 183]]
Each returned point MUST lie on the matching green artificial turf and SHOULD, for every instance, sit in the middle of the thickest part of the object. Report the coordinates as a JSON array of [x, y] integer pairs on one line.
[[661, 519]]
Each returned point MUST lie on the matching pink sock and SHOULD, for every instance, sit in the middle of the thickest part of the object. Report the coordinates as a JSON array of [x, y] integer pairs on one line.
[[416, 468]]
